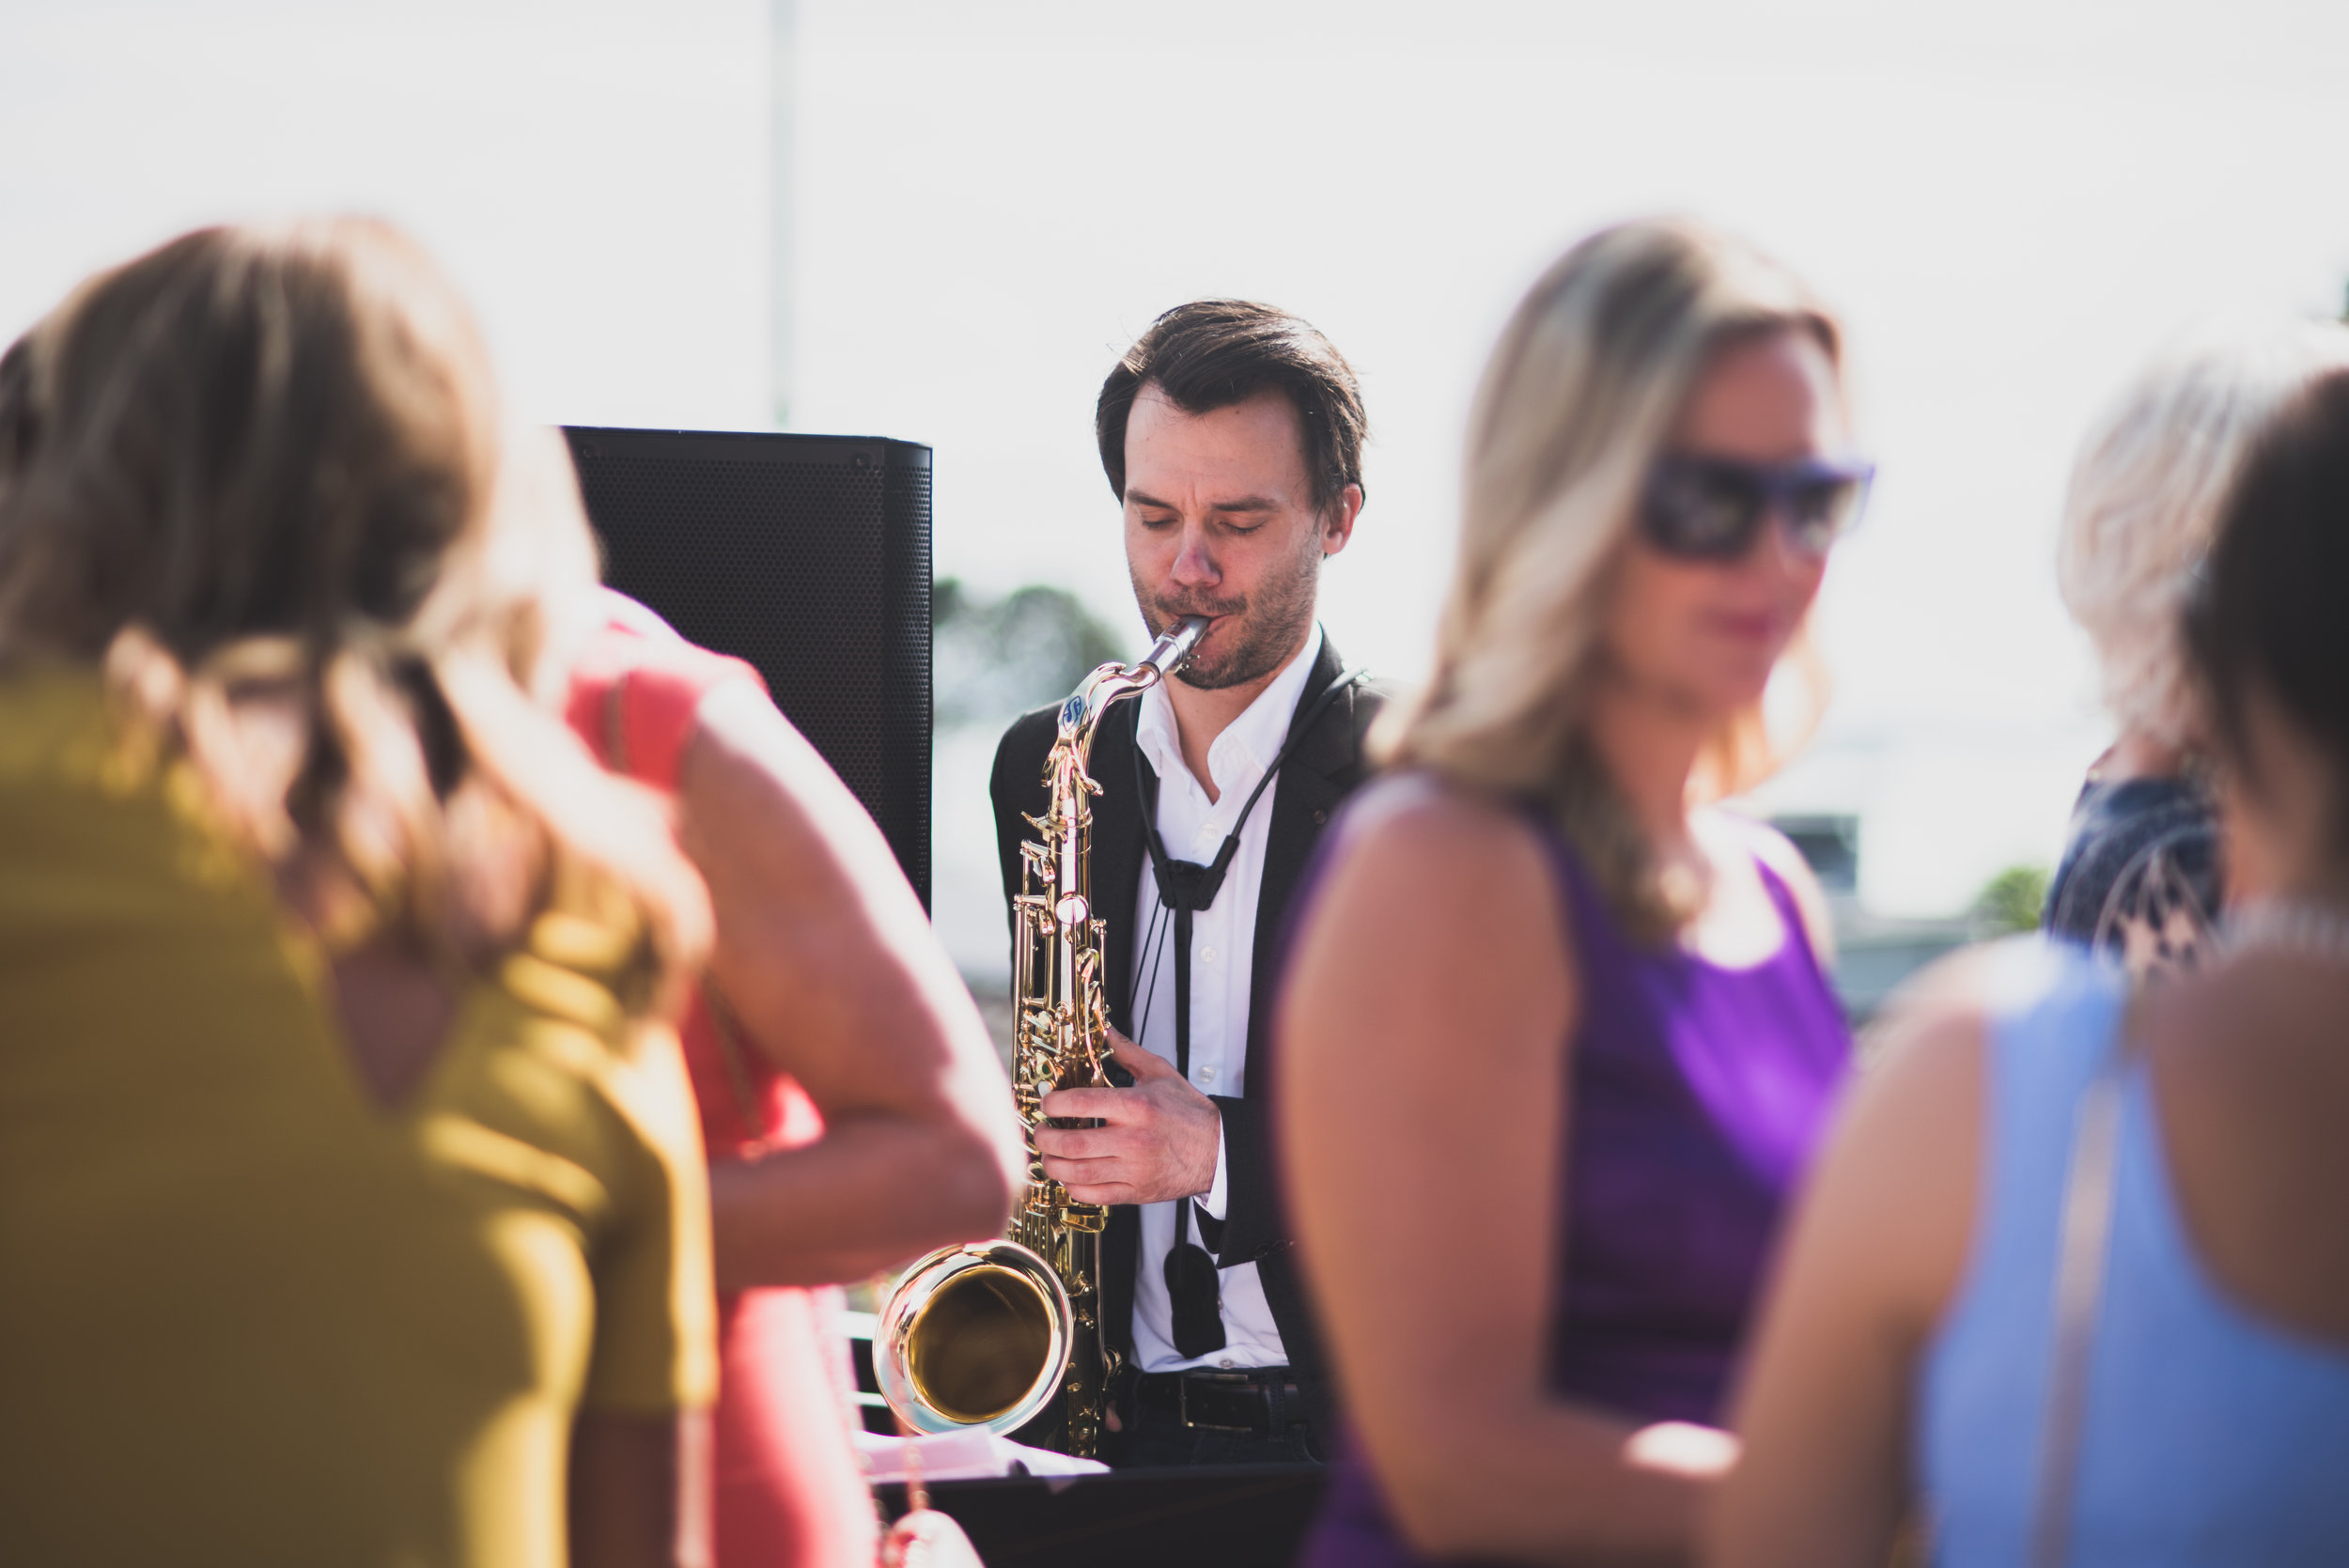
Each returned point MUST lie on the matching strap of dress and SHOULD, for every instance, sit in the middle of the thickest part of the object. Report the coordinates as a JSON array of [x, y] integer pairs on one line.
[[635, 688], [633, 699], [2083, 1243], [1594, 944], [1790, 914]]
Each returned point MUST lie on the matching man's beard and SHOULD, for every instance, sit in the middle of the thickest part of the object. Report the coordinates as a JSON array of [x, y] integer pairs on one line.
[[1270, 626]]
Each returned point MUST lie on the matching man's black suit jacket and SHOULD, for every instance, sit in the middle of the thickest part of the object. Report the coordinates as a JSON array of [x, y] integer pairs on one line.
[[1326, 766]]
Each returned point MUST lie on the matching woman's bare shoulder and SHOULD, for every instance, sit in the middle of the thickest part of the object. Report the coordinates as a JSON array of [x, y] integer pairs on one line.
[[1435, 880], [1928, 1041], [1901, 1167], [1416, 826], [1427, 978], [1946, 1006]]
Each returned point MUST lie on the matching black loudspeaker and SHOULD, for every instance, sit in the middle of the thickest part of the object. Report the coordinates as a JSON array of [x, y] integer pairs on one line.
[[808, 556]]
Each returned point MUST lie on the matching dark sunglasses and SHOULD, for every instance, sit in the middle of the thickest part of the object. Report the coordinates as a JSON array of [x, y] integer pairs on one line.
[[1712, 508]]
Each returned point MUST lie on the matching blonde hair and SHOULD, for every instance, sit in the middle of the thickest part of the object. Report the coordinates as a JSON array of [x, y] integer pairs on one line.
[[260, 479], [1578, 400], [2148, 487]]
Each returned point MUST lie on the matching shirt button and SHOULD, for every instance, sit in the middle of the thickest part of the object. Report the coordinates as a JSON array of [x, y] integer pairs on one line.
[[1206, 1075], [1206, 956], [1227, 1363]]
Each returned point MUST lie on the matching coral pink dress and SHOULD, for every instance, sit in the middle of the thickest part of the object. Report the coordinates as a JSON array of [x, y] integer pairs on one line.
[[788, 1489]]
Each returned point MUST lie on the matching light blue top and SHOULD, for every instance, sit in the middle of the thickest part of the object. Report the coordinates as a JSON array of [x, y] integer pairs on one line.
[[2210, 1435]]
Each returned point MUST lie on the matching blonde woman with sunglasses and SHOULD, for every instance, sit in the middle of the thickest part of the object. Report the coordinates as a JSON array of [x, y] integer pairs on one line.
[[1558, 1038]]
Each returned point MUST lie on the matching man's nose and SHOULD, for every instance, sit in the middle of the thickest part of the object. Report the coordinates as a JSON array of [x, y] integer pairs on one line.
[[1194, 563]]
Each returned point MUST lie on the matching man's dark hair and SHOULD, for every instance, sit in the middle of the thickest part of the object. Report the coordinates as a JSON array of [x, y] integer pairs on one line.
[[1213, 353], [2267, 608]]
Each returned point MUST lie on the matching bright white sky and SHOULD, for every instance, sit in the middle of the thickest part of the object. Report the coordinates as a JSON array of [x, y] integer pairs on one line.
[[2013, 202]]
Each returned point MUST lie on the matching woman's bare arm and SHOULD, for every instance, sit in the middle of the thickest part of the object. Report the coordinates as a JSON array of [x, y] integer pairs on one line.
[[1422, 1097], [1874, 1256], [826, 958]]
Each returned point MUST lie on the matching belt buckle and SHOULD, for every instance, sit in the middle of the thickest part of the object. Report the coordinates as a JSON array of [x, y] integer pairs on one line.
[[1183, 1381]]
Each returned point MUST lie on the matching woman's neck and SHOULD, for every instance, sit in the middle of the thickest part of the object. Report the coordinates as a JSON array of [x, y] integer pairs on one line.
[[2136, 754], [1650, 748]]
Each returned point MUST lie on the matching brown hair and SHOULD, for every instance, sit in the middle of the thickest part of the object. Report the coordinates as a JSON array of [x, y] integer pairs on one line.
[[2265, 614], [260, 477], [1579, 398], [1213, 353]]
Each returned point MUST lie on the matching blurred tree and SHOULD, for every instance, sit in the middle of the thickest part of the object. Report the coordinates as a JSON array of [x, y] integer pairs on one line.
[[2012, 900], [994, 658]]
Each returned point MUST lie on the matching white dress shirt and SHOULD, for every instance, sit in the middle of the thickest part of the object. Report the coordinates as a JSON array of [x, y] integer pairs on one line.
[[1223, 955]]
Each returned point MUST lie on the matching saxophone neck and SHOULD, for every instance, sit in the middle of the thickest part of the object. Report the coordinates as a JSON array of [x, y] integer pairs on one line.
[[1168, 653], [1081, 715]]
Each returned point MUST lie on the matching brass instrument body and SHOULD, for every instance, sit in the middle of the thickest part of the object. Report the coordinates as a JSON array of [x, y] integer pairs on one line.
[[974, 1335], [1060, 1040]]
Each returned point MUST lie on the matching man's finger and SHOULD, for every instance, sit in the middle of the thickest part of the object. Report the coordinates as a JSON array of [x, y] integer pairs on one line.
[[1081, 1142], [1104, 1105], [1084, 1172], [1090, 1175], [1143, 1065]]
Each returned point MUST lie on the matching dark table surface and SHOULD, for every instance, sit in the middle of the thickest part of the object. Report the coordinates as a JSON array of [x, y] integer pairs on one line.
[[1229, 1516]]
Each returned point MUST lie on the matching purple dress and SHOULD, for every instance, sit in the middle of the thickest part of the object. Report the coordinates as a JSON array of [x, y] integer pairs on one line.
[[1699, 1094]]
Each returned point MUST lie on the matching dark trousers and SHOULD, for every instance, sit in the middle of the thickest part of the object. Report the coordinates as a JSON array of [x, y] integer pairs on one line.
[[1157, 1436]]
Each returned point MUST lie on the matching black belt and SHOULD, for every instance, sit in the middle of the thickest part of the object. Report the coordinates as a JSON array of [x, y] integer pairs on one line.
[[1256, 1399]]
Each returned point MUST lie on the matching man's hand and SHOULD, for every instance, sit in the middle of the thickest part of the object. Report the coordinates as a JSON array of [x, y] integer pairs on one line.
[[1159, 1141]]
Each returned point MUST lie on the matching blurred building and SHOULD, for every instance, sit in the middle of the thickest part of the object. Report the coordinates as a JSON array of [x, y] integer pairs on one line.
[[1907, 827]]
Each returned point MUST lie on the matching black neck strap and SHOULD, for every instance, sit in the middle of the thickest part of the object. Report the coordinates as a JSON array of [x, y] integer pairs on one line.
[[1187, 887], [1193, 1291]]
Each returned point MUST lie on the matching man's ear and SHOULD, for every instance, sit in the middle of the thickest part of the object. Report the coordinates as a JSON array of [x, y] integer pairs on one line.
[[1337, 520]]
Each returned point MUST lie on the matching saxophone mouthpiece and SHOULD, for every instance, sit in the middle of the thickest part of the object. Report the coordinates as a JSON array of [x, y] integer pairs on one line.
[[1167, 654]]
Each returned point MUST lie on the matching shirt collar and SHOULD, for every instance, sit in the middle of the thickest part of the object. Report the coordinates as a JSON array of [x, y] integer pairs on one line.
[[1248, 745]]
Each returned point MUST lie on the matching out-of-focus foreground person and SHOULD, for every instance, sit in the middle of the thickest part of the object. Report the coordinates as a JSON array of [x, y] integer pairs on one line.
[[2073, 1262], [349, 1183], [2140, 876], [1557, 1039], [851, 1104]]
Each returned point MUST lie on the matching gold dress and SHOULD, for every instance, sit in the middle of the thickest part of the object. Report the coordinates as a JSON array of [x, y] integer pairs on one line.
[[247, 1314]]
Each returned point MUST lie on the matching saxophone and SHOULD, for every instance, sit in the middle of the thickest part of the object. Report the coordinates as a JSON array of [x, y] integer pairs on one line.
[[988, 1333]]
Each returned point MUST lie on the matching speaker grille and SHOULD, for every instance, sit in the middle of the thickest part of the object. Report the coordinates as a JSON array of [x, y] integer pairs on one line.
[[905, 498], [807, 556]]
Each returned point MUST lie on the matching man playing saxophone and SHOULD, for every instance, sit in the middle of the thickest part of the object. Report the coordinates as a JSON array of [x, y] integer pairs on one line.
[[1232, 435]]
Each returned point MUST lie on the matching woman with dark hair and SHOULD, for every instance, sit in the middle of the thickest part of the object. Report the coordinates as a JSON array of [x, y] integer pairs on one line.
[[348, 1186], [2072, 1262], [1556, 1035]]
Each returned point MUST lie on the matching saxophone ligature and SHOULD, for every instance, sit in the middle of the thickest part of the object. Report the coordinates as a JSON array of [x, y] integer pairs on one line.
[[988, 1333]]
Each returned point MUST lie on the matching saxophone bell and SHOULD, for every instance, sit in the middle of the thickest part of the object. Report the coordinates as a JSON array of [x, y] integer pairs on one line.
[[974, 1335]]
